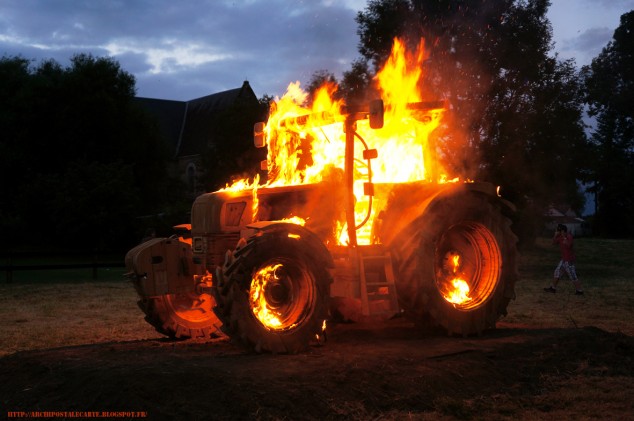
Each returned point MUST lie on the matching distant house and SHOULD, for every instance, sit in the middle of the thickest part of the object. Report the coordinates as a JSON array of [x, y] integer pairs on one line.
[[188, 127], [556, 215]]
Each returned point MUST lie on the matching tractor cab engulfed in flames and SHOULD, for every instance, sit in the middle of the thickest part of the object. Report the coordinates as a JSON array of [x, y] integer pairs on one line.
[[354, 221]]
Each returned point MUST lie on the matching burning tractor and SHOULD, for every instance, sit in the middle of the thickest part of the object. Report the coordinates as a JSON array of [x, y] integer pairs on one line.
[[353, 222]]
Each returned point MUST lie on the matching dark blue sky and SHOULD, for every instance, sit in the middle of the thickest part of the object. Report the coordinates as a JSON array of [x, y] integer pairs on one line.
[[185, 50]]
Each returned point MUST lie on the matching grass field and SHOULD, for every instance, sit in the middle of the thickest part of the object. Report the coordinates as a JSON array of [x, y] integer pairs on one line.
[[35, 314], [105, 272], [605, 268]]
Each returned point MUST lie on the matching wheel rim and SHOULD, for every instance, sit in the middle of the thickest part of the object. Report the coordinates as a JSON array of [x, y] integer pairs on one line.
[[467, 265], [282, 294], [191, 307]]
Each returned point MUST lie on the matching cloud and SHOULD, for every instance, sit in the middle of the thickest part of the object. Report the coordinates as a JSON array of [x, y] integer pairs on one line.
[[200, 47], [184, 50], [168, 55], [612, 4], [581, 28], [590, 42]]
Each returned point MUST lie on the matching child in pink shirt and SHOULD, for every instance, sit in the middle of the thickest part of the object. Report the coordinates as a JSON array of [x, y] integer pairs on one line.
[[564, 240]]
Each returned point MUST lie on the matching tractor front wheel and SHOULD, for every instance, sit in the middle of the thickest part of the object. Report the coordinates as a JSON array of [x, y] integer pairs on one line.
[[272, 292]]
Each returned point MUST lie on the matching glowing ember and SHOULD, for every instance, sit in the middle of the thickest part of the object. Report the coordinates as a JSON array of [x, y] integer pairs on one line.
[[321, 337], [443, 179], [259, 305]]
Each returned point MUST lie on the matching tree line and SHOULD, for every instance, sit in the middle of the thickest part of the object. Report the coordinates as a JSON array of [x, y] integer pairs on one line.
[[81, 165], [79, 162]]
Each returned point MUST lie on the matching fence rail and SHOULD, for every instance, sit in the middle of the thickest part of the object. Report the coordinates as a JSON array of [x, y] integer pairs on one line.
[[12, 262]]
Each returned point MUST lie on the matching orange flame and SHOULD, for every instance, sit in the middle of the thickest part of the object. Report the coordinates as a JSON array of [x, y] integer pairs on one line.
[[307, 142], [268, 317], [256, 201], [460, 293], [242, 184], [295, 220], [456, 262], [456, 290]]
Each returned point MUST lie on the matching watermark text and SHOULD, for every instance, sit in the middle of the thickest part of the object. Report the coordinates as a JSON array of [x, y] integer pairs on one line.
[[76, 414]]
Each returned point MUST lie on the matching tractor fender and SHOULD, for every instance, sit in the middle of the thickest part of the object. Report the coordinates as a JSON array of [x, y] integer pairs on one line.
[[403, 212], [307, 239]]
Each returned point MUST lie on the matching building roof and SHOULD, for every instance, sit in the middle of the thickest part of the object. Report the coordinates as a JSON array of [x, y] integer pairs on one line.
[[187, 125], [224, 99], [562, 214], [198, 132]]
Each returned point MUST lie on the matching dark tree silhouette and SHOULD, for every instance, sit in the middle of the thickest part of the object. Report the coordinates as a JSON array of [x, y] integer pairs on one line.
[[609, 81], [79, 162], [356, 83], [515, 114]]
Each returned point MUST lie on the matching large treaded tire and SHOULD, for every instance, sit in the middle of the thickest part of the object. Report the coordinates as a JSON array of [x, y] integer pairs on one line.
[[304, 300], [475, 223], [182, 316]]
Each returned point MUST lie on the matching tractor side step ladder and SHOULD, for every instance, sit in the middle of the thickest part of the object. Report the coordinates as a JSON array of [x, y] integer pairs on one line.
[[378, 290]]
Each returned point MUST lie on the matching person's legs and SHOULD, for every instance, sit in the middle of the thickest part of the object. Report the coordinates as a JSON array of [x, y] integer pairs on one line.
[[556, 276], [572, 274]]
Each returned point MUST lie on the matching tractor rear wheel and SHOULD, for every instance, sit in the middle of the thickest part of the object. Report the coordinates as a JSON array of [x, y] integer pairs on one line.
[[182, 316], [272, 292], [457, 265]]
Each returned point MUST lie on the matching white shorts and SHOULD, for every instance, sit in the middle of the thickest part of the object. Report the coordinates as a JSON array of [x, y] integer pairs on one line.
[[568, 267]]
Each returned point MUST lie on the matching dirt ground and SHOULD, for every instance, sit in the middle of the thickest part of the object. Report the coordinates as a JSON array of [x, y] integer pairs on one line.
[[388, 370]]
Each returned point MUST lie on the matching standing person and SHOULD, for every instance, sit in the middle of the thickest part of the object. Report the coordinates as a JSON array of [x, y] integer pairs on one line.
[[564, 240]]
